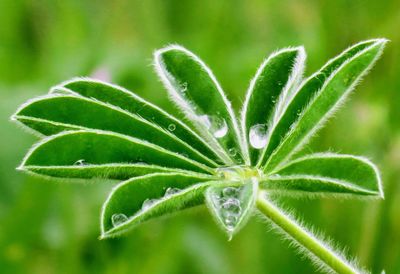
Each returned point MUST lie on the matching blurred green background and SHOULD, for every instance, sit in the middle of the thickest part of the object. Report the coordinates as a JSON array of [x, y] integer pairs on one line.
[[48, 227]]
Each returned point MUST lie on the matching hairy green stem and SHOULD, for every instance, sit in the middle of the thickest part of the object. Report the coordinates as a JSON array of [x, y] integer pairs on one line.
[[303, 237]]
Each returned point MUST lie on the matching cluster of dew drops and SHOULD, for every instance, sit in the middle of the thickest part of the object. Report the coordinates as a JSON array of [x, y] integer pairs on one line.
[[229, 206], [120, 218]]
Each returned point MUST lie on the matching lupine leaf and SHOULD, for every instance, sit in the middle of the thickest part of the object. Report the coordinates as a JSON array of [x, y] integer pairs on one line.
[[128, 101], [321, 106], [232, 205], [101, 147], [147, 197], [327, 173], [193, 87], [66, 112], [276, 79]]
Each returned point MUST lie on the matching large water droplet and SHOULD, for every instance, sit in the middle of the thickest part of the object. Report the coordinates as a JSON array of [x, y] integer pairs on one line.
[[148, 203], [171, 191], [258, 136], [171, 127], [80, 162], [118, 219]]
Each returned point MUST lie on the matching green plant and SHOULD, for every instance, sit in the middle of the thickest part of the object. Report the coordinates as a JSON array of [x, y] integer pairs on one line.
[[99, 130]]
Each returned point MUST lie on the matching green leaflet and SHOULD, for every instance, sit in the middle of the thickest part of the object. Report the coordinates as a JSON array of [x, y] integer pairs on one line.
[[101, 147], [193, 87], [275, 80], [42, 127], [327, 173], [65, 112], [232, 205], [128, 101], [147, 197], [103, 171], [320, 107]]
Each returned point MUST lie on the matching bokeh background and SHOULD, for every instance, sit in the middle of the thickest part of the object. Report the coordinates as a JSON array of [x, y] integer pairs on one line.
[[48, 227]]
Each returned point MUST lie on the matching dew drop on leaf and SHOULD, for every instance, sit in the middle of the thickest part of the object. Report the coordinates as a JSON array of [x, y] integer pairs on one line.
[[184, 87], [215, 124], [232, 151], [148, 203], [171, 191], [232, 205], [230, 191], [230, 220], [258, 136], [118, 219], [171, 127], [80, 162], [219, 127]]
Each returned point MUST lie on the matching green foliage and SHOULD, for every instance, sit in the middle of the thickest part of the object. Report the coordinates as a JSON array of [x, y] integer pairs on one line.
[[97, 130], [328, 174]]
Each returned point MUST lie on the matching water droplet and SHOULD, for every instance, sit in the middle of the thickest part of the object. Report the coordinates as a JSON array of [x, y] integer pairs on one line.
[[230, 220], [171, 127], [219, 127], [298, 113], [184, 87], [273, 99], [80, 162], [232, 205], [232, 151], [258, 136], [230, 191], [215, 124], [148, 203], [118, 219], [171, 191]]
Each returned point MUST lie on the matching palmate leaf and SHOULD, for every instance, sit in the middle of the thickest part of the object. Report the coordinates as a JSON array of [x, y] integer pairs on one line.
[[317, 100], [193, 87], [99, 130], [327, 173]]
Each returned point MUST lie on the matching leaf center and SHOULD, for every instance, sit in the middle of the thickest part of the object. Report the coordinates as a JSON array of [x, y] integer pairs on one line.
[[239, 173]]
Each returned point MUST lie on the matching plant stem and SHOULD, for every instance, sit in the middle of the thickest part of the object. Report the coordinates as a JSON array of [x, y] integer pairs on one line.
[[303, 237]]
